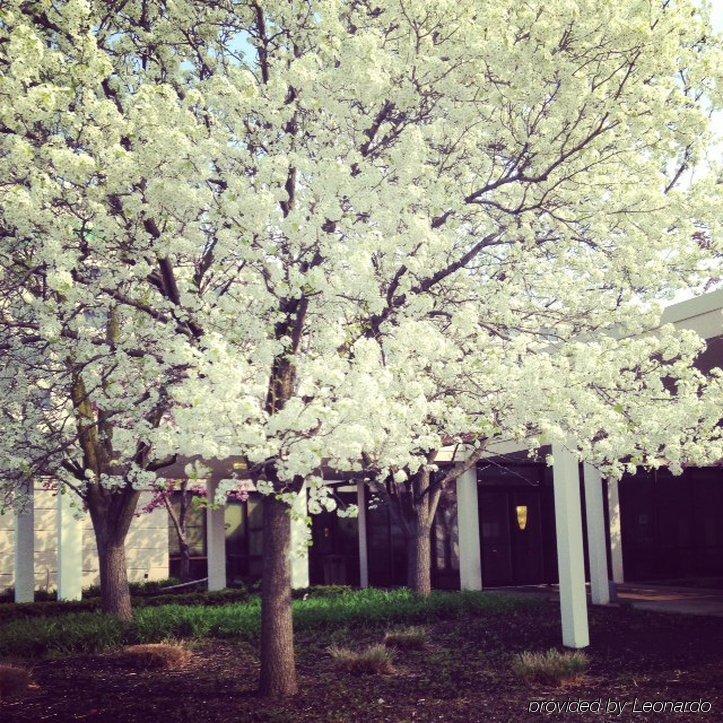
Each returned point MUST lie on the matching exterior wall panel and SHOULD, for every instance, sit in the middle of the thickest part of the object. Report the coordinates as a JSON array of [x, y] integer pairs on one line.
[[146, 545]]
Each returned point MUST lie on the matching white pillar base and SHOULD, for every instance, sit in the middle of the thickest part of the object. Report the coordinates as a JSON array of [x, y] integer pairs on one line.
[[570, 555], [70, 549], [596, 544], [616, 545], [300, 542], [215, 539], [25, 549], [470, 553], [361, 501]]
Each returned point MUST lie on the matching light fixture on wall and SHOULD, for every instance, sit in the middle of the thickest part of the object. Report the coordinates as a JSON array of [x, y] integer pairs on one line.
[[521, 511]]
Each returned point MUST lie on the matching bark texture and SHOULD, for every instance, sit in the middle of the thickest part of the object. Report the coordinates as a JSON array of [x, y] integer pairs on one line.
[[413, 505], [114, 590], [419, 559], [278, 669], [111, 513]]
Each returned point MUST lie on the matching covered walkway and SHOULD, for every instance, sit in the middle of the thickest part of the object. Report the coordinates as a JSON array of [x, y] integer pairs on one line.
[[648, 596]]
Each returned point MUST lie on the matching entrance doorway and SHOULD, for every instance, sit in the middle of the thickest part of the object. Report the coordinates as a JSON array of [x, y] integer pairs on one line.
[[511, 536], [334, 553], [517, 522]]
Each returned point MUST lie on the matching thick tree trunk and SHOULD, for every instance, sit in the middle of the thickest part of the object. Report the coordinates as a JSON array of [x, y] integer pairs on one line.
[[278, 670], [419, 560], [114, 591], [278, 666], [111, 513]]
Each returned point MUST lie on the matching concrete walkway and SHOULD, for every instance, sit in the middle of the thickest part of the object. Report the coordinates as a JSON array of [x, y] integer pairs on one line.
[[661, 598], [687, 600]]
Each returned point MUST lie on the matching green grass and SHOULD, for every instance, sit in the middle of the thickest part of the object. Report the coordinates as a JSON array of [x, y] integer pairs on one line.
[[370, 607], [93, 632], [145, 595], [73, 633]]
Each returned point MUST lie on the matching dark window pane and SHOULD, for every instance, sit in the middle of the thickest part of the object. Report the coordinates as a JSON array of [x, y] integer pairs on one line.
[[234, 521]]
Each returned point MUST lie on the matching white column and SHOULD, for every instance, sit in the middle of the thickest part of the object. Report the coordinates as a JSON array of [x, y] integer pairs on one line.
[[25, 548], [596, 545], [470, 554], [300, 542], [215, 539], [616, 546], [70, 549], [570, 555], [361, 502]]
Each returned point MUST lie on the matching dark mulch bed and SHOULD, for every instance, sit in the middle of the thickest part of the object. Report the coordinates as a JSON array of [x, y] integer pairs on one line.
[[462, 675]]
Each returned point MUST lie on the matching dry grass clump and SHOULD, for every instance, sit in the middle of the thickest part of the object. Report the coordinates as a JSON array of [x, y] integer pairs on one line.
[[374, 660], [13, 680], [409, 638], [550, 667], [153, 656]]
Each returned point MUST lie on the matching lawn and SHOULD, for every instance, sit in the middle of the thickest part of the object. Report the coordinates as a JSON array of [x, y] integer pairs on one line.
[[459, 661]]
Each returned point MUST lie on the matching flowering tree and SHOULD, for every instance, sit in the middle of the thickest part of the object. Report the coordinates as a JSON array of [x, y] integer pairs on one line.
[[622, 402], [188, 496], [287, 192], [181, 497], [415, 170], [92, 343]]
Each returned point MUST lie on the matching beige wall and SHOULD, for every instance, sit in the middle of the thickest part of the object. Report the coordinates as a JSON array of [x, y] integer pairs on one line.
[[146, 545], [7, 538]]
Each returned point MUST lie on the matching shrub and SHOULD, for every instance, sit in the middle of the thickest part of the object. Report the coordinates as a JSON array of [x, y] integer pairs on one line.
[[550, 667], [217, 597], [144, 587], [52, 608], [178, 621], [13, 680], [374, 660], [153, 656], [8, 595], [21, 611], [373, 606], [410, 638]]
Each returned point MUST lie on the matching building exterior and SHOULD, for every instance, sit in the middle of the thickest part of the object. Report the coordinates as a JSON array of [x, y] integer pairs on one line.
[[657, 526], [672, 531], [146, 548], [510, 521]]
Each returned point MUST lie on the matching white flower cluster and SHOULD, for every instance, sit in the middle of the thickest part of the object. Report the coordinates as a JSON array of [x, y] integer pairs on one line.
[[374, 235]]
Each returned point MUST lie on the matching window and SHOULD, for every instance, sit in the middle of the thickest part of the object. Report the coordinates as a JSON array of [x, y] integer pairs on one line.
[[235, 527]]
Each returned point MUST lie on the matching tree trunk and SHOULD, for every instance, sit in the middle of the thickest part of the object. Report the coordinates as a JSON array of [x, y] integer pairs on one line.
[[184, 563], [419, 560], [278, 670], [111, 513], [114, 591]]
